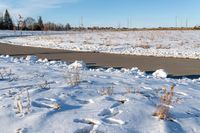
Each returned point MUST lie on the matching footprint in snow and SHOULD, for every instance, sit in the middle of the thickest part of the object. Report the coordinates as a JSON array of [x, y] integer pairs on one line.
[[88, 121], [36, 90], [22, 130], [120, 99], [85, 101], [46, 99], [110, 112], [194, 112], [182, 93], [80, 101], [46, 103], [94, 124], [119, 102], [113, 111], [113, 121], [104, 77], [116, 83], [87, 129], [147, 88]]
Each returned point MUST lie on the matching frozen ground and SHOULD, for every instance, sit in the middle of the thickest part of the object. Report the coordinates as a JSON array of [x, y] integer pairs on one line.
[[181, 44], [37, 96]]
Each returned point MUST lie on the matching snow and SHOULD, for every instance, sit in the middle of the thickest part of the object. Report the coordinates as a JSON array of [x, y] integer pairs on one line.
[[179, 44], [31, 58], [9, 33], [160, 73], [49, 103], [77, 64]]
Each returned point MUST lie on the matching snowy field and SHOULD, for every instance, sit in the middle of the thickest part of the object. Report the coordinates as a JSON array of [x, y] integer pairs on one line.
[[37, 96], [8, 33], [181, 44]]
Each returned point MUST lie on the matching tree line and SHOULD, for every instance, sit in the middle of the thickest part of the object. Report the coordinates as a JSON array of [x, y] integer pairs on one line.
[[29, 23]]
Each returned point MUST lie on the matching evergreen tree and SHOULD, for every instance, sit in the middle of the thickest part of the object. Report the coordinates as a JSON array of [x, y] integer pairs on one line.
[[67, 26], [1, 23], [8, 24], [40, 23]]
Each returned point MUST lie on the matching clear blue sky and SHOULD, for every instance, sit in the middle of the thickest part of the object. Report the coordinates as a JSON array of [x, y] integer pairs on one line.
[[132, 13]]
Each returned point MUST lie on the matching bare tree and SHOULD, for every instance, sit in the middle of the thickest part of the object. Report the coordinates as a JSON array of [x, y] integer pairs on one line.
[[30, 23]]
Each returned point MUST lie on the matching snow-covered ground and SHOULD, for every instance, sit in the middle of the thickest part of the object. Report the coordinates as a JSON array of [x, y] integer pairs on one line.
[[37, 96], [9, 33], [181, 44]]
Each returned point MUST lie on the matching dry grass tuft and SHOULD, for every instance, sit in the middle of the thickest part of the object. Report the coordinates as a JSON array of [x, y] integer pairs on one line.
[[56, 106], [5, 73], [106, 91], [128, 90], [162, 110], [74, 76], [143, 45], [160, 46], [28, 101], [23, 102], [45, 85], [19, 105]]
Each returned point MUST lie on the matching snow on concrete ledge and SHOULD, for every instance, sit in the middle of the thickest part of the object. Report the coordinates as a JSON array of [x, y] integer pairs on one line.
[[160, 73]]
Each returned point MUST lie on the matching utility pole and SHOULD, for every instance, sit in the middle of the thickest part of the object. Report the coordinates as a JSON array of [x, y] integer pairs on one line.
[[186, 22], [127, 22], [81, 23], [119, 25], [130, 19], [176, 22], [182, 22]]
